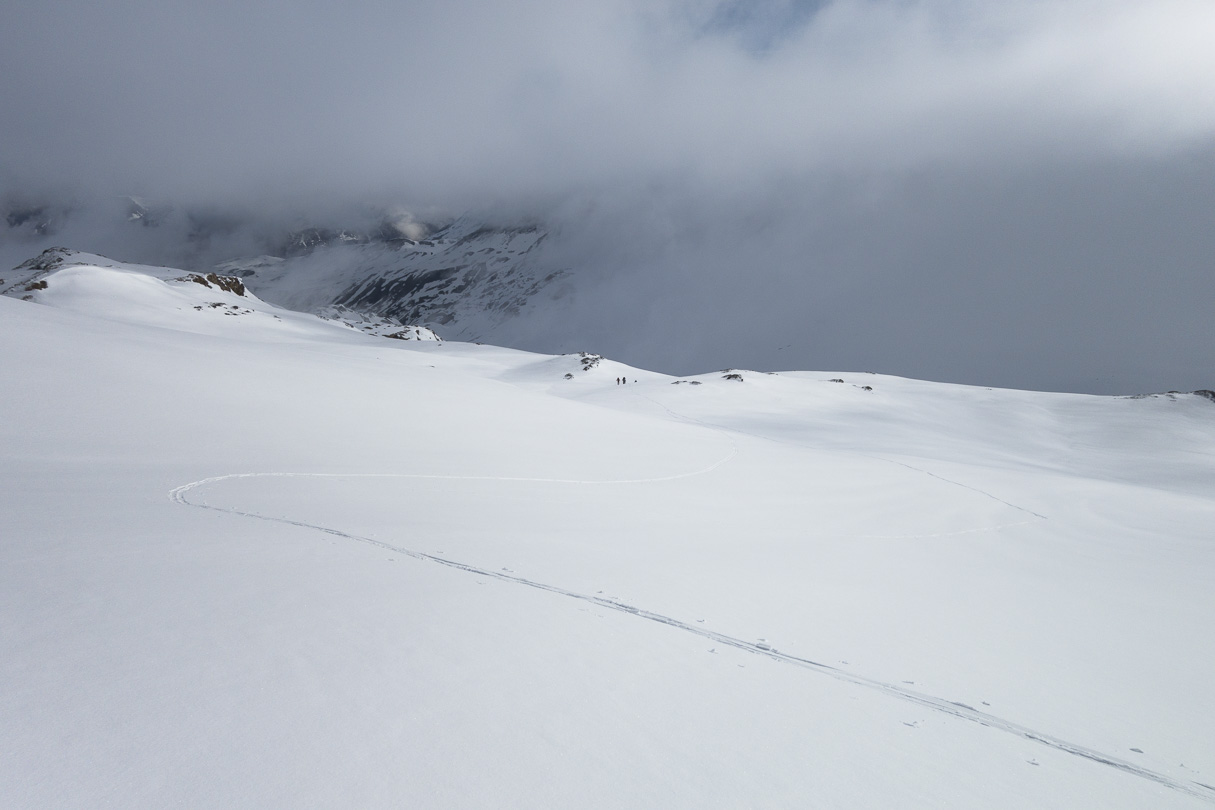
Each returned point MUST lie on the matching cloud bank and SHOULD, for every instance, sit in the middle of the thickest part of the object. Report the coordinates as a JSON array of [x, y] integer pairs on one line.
[[472, 98], [1012, 193]]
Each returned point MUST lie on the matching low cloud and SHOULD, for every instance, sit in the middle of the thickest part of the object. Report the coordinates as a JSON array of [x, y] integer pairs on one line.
[[1005, 192], [462, 102], [406, 224]]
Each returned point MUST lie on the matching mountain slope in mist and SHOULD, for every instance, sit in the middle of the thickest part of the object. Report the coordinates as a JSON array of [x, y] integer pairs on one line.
[[464, 279]]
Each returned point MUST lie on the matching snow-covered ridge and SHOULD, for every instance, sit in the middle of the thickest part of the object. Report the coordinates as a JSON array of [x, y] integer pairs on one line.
[[465, 278], [139, 293], [33, 271]]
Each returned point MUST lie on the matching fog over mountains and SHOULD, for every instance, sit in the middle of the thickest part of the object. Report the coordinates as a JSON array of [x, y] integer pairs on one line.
[[1104, 301], [1007, 193]]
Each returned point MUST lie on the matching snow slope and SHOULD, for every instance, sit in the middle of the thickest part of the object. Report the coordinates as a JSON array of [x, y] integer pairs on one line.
[[263, 559]]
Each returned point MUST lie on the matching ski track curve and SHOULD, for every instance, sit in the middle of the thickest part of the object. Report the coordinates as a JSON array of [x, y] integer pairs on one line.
[[724, 430], [954, 709]]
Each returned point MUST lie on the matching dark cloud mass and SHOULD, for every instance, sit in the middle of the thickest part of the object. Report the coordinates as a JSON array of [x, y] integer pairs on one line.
[[1016, 193]]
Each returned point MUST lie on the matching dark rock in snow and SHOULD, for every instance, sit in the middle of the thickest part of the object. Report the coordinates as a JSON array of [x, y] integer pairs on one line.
[[226, 283]]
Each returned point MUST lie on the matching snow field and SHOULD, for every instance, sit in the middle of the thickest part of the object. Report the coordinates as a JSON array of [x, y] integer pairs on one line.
[[1043, 559]]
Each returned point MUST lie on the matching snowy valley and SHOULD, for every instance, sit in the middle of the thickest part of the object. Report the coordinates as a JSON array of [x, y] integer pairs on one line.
[[253, 556]]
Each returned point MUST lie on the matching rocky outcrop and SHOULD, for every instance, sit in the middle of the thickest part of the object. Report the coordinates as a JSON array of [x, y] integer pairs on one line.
[[230, 284], [27, 276]]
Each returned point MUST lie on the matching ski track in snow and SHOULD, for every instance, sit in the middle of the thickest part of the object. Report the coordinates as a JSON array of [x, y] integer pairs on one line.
[[963, 486], [726, 431], [951, 708]]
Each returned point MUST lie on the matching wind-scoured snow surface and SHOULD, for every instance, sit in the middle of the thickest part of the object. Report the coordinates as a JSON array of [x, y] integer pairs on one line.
[[251, 557]]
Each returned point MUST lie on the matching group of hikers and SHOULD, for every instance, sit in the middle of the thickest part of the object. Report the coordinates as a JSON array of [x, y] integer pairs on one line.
[[622, 380]]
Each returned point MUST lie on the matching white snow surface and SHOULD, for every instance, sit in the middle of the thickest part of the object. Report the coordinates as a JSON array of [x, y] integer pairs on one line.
[[252, 558]]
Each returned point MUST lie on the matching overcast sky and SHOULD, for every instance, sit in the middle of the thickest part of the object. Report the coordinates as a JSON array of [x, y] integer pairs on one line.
[[1012, 193]]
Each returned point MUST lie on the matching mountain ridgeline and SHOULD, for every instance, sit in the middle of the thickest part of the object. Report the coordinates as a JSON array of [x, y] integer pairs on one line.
[[463, 277]]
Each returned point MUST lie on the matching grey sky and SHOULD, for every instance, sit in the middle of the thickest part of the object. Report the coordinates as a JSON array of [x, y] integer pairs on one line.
[[1012, 193]]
